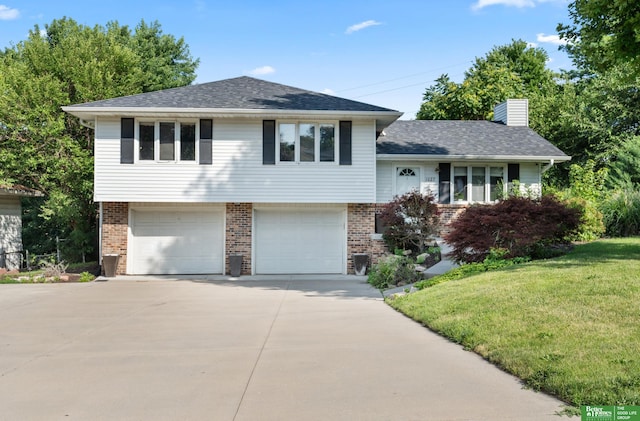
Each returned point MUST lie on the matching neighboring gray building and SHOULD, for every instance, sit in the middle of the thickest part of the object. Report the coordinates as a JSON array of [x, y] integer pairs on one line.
[[11, 224]]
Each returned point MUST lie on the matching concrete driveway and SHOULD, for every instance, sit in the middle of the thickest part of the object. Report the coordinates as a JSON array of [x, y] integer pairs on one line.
[[270, 349]]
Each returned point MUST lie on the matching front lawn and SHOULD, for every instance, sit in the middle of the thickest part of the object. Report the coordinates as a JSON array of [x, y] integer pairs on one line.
[[569, 326]]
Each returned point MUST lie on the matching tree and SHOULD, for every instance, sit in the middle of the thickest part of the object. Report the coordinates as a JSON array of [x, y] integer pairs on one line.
[[604, 33], [44, 148], [508, 71], [624, 169]]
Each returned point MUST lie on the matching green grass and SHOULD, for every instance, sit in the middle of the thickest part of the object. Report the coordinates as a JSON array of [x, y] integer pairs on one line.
[[569, 326]]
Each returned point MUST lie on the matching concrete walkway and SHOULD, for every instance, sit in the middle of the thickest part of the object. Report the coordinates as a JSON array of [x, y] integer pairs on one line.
[[259, 349]]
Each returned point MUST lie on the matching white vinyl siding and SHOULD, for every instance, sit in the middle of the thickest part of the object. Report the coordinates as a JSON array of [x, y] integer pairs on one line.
[[237, 173], [386, 182], [530, 179], [512, 112]]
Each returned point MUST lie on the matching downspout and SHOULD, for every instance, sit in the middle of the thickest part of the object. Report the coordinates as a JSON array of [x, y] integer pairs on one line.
[[547, 167], [100, 234]]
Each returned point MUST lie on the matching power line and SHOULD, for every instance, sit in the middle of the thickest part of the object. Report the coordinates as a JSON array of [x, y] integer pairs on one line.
[[401, 78], [391, 90]]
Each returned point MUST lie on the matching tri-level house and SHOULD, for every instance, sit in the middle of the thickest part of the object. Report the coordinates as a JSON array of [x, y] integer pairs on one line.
[[288, 178]]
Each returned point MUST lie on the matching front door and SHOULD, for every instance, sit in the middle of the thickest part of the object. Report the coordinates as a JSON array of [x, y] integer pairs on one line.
[[407, 179]]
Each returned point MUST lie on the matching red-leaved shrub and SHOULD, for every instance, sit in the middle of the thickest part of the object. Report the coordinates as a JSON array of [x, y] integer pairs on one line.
[[521, 226]]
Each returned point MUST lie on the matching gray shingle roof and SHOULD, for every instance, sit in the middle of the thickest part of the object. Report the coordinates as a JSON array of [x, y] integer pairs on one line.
[[464, 138], [238, 93]]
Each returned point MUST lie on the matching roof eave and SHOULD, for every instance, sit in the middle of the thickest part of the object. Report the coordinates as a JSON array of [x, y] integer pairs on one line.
[[429, 157], [383, 118]]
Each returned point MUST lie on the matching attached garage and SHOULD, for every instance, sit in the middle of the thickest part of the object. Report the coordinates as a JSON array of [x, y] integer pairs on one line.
[[300, 240], [174, 240]]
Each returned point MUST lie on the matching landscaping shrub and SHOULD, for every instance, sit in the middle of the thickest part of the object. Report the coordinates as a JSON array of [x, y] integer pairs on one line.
[[622, 213], [591, 219], [410, 221], [521, 226], [391, 271]]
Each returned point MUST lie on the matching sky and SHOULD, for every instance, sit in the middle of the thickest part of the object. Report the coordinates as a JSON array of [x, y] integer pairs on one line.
[[382, 52]]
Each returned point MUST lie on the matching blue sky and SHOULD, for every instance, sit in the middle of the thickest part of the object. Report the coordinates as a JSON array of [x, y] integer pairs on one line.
[[383, 52]]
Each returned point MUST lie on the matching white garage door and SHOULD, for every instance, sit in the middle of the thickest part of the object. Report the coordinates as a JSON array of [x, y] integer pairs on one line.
[[299, 241], [176, 241]]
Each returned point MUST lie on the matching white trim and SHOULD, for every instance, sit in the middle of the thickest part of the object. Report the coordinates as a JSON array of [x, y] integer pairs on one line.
[[382, 117]]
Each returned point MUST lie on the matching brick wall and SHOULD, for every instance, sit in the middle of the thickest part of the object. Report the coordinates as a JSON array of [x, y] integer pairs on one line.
[[360, 226], [238, 234], [115, 221], [447, 214]]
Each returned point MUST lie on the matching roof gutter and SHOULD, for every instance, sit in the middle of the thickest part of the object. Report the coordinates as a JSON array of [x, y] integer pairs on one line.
[[87, 115], [441, 157]]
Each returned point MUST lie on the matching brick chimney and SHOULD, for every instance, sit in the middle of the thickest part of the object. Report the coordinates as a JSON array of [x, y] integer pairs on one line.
[[512, 112]]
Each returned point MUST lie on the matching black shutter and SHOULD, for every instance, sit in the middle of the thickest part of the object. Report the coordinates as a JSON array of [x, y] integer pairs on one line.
[[269, 142], [206, 140], [345, 143], [444, 183], [513, 172], [126, 140]]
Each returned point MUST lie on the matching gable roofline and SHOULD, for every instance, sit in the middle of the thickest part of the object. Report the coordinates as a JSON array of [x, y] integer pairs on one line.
[[243, 96]]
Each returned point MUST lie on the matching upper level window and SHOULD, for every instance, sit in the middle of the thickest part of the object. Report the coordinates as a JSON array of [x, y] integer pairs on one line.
[[307, 142], [167, 141]]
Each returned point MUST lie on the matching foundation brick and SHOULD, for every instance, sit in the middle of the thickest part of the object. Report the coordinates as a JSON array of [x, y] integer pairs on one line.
[[115, 223], [238, 234]]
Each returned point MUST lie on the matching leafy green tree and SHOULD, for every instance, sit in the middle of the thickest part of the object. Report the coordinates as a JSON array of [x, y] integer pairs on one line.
[[44, 148], [604, 33], [508, 71], [624, 170]]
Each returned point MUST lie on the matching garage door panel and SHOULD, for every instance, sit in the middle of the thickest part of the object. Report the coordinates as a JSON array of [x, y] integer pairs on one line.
[[177, 242], [299, 241]]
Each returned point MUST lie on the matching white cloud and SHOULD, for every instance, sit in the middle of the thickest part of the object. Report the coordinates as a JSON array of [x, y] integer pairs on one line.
[[532, 44], [7, 13], [328, 91], [511, 3], [360, 26], [264, 70], [551, 39], [479, 4]]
